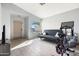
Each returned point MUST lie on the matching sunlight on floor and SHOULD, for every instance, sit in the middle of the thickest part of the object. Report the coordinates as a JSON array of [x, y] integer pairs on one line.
[[26, 43]]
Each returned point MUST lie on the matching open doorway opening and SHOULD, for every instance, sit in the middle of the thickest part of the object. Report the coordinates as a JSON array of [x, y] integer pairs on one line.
[[17, 30]]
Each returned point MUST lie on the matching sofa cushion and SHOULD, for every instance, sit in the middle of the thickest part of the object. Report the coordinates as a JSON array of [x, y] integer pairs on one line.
[[47, 36], [51, 32]]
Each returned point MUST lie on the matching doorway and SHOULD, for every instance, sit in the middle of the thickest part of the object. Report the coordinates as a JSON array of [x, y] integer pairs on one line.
[[17, 29]]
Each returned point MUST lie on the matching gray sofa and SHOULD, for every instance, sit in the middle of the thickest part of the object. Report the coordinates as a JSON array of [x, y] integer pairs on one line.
[[50, 35]]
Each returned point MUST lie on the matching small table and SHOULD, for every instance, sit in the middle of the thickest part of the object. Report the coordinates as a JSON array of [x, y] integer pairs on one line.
[[5, 49]]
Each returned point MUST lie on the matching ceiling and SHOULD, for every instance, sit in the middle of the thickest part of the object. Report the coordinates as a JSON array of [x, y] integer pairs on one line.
[[48, 9]]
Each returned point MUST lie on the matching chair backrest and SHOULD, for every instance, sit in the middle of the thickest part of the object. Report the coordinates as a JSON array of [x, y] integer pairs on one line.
[[73, 39], [68, 25]]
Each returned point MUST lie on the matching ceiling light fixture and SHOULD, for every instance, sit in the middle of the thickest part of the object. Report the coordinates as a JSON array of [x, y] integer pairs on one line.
[[42, 4]]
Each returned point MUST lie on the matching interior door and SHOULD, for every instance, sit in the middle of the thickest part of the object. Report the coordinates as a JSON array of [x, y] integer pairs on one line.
[[17, 29]]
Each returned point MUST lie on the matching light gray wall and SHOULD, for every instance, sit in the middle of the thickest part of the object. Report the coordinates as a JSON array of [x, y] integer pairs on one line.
[[10, 9], [54, 22], [0, 22], [26, 27]]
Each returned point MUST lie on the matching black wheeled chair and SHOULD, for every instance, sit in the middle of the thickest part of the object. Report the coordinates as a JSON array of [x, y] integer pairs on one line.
[[65, 41]]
